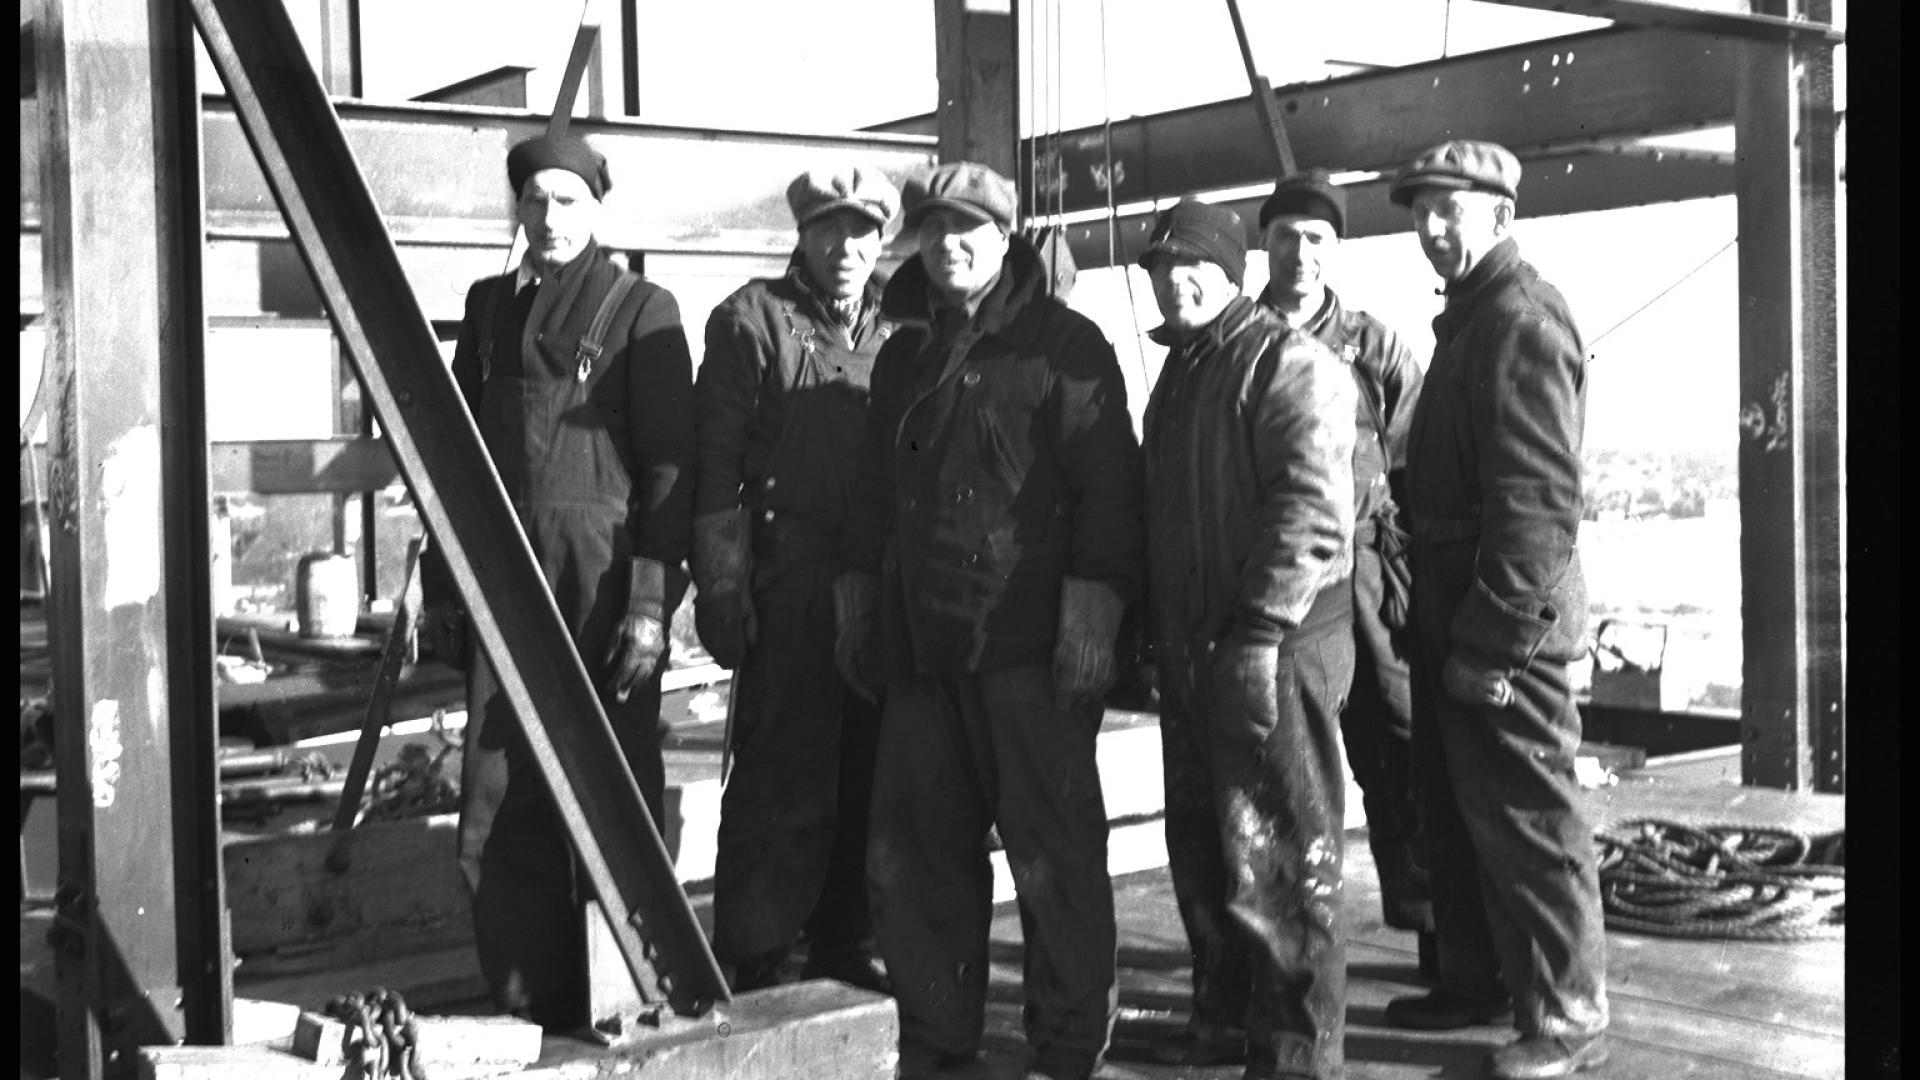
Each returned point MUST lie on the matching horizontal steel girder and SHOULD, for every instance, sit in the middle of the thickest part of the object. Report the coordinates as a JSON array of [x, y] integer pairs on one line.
[[1551, 184], [1556, 95], [1753, 27], [438, 174], [331, 211]]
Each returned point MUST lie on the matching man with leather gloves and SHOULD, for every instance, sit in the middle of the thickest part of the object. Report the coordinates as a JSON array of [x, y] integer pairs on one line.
[[993, 544], [780, 406], [579, 378], [1500, 610], [1250, 494], [1302, 224]]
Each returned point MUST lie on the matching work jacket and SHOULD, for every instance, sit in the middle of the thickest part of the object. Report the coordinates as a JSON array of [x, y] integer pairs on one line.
[[1389, 383], [781, 406], [1493, 467], [1250, 492], [1000, 458]]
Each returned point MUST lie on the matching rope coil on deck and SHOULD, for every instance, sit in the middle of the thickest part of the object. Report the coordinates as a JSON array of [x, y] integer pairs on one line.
[[382, 1037], [1718, 881]]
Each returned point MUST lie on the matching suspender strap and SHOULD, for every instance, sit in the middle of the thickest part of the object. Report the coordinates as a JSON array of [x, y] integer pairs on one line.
[[590, 345], [490, 307]]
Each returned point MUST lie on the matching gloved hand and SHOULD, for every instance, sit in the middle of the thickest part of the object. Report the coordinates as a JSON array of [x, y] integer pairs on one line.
[[641, 638], [722, 573], [1083, 649], [438, 631], [853, 603], [1474, 684]]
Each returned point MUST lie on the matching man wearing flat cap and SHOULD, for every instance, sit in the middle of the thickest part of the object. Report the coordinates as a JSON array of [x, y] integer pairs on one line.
[[780, 406], [1249, 447], [993, 544], [579, 379], [1500, 610], [1302, 224]]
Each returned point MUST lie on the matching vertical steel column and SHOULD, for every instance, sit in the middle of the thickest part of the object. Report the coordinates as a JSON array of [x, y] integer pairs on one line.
[[340, 47], [113, 252], [200, 884], [977, 57], [1793, 703]]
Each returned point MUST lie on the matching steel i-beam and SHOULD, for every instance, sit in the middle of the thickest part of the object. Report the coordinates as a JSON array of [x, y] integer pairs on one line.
[[331, 213]]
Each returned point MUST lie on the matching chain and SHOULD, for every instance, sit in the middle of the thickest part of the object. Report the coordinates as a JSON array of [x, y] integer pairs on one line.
[[382, 1037]]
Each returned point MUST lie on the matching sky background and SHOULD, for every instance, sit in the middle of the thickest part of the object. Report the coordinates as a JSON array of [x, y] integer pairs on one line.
[[1665, 378]]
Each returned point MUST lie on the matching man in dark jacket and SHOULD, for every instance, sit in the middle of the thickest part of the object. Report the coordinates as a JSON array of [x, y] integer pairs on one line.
[[780, 404], [595, 449], [1302, 223], [1500, 609], [1249, 447], [992, 545]]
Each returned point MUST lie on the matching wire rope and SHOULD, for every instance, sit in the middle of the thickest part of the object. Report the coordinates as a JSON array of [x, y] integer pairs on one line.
[[1657, 297]]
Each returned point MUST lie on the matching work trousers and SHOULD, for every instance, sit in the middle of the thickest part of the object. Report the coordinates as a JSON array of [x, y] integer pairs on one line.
[[1516, 891], [1256, 801], [793, 820], [1377, 727], [958, 755]]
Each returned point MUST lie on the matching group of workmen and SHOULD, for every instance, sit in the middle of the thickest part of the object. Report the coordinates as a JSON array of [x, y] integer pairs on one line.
[[925, 536]]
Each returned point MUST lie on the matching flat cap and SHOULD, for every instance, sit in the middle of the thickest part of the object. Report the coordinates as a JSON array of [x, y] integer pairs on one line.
[[1462, 164], [566, 152], [1310, 192], [864, 191], [974, 190], [1203, 231]]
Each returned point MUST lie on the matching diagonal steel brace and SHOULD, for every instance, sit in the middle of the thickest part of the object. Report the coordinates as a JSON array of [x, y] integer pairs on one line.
[[331, 214]]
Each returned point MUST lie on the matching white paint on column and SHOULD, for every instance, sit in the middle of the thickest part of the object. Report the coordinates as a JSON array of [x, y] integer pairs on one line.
[[130, 517]]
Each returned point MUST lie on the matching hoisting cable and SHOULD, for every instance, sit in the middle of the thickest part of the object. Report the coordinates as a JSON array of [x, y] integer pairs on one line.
[[1663, 292], [1113, 211], [1740, 882]]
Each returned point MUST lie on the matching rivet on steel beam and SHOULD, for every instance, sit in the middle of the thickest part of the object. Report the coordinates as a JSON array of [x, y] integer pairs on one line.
[[403, 396]]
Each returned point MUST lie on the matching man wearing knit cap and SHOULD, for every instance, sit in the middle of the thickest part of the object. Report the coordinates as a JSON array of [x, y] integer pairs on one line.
[[780, 406], [1500, 610], [1302, 224], [992, 545], [578, 376], [1249, 446]]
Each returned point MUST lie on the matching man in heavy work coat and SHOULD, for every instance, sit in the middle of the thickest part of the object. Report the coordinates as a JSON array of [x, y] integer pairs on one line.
[[780, 405], [595, 450], [1500, 609], [1302, 224], [993, 543], [1249, 447]]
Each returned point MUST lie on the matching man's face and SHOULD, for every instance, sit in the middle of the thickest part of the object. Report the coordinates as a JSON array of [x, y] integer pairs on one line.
[[1191, 291], [839, 249], [559, 213], [961, 253], [1298, 250], [1458, 228]]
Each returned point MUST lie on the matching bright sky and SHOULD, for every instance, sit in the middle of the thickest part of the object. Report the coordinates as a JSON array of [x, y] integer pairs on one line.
[[1666, 378]]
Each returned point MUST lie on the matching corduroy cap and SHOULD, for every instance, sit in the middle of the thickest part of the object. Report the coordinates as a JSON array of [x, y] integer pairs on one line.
[[1462, 164], [1311, 193], [864, 191], [566, 152], [972, 189], [1203, 231]]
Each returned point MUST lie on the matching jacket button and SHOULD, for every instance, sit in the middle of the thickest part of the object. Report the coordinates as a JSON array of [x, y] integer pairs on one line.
[[971, 378], [768, 516], [769, 483], [962, 493], [969, 559]]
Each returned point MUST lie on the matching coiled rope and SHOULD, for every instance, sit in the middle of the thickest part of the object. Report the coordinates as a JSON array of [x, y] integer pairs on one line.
[[382, 1037], [1743, 882]]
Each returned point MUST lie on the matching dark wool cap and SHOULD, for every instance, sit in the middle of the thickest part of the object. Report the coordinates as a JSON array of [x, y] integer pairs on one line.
[[566, 152], [1310, 193], [1203, 231], [1462, 165], [974, 190]]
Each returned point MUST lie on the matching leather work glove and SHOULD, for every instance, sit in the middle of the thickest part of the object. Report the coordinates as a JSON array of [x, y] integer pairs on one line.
[[1083, 650], [438, 631], [641, 638], [722, 573], [853, 603], [1472, 684]]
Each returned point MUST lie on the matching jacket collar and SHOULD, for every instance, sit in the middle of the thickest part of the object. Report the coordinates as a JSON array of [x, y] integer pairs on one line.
[[532, 273], [1233, 318], [1011, 309], [1498, 261], [802, 283], [1330, 314]]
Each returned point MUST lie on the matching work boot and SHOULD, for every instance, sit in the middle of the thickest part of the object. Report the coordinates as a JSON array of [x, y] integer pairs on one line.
[[854, 965], [1536, 1057], [1202, 1043], [758, 973], [1444, 1010], [918, 1062], [1429, 957]]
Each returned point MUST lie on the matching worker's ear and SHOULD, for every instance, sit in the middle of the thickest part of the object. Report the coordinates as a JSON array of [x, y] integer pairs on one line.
[[1503, 212]]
